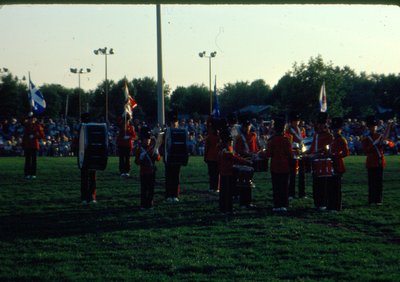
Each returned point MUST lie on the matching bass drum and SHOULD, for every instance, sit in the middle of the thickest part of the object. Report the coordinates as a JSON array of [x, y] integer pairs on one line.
[[93, 146], [176, 152]]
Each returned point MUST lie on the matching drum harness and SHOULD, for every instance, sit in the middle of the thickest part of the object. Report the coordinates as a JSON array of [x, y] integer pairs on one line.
[[147, 156], [316, 143], [374, 143], [297, 133], [246, 146]]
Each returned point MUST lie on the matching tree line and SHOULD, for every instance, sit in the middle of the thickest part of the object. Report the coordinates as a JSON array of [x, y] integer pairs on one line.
[[349, 95]]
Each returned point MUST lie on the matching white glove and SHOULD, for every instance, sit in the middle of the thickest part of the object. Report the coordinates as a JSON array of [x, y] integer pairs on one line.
[[142, 155], [156, 152]]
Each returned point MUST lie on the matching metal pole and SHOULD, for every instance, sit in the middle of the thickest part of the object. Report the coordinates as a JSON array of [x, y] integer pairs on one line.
[[209, 76], [66, 108], [79, 93], [160, 80], [106, 90]]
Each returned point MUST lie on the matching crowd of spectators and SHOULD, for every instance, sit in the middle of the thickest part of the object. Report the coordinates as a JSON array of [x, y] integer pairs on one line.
[[59, 135]]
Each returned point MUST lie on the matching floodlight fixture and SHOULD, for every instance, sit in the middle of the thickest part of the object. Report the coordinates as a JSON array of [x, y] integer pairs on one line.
[[209, 57], [103, 51]]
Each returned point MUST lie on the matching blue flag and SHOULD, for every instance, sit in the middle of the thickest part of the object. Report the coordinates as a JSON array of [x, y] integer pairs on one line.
[[36, 99], [215, 110]]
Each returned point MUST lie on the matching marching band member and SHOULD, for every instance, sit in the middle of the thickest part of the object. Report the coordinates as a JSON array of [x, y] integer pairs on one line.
[[372, 144], [319, 148], [279, 150], [246, 141], [146, 155], [33, 132], [226, 159], [296, 135], [246, 146], [88, 176], [172, 171], [338, 150], [125, 139], [211, 154]]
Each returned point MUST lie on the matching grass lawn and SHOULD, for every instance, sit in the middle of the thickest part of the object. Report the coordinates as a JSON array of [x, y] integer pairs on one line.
[[46, 235]]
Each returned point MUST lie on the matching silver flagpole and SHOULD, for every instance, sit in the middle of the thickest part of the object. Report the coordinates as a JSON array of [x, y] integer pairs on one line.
[[160, 80], [66, 108], [30, 92]]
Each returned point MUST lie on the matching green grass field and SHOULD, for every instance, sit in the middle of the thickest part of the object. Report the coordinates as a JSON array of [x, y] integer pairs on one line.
[[46, 235]]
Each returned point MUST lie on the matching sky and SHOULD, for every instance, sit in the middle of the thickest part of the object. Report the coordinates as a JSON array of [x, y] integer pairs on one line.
[[252, 41]]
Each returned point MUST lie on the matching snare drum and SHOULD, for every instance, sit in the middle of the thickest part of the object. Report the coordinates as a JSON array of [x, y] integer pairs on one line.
[[244, 185], [243, 173], [260, 164], [322, 167]]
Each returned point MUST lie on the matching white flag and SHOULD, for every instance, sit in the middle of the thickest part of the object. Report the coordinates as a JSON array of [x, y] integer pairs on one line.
[[322, 98]]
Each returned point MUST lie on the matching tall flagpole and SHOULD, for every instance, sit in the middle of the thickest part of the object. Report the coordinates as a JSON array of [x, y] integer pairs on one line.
[[29, 92], [66, 108], [160, 80], [209, 79]]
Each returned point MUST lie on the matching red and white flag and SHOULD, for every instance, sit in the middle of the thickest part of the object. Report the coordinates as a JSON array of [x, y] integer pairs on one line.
[[130, 103], [322, 99]]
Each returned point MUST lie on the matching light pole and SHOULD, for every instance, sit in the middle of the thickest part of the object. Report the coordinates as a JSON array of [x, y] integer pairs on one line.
[[210, 56], [104, 51], [79, 72]]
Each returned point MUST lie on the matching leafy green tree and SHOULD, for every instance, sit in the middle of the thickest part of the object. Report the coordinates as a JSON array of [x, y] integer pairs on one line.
[[235, 96], [13, 97], [197, 102], [145, 90], [177, 99], [299, 89], [55, 96]]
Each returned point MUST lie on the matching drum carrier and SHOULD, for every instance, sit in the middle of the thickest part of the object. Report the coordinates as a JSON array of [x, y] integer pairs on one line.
[[93, 146], [176, 152]]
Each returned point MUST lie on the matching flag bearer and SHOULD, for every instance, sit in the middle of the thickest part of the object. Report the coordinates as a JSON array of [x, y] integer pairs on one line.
[[33, 132], [125, 139], [146, 155]]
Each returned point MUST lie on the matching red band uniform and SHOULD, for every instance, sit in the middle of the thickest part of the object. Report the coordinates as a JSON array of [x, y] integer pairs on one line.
[[319, 147], [338, 151], [296, 135], [245, 145], [372, 145], [125, 141], [33, 132], [226, 159], [88, 176], [211, 155], [145, 156], [279, 150]]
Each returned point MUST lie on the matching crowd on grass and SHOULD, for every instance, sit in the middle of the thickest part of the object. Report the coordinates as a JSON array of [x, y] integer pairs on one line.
[[59, 135]]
